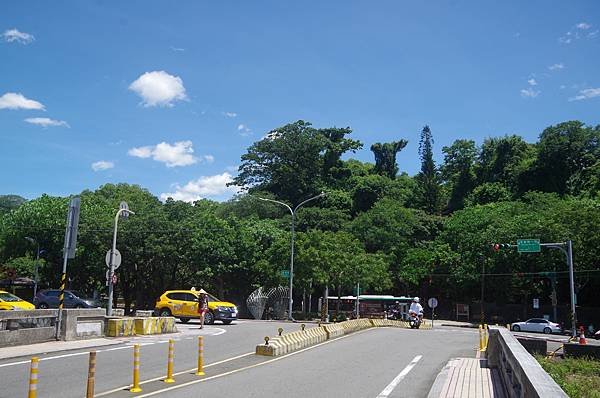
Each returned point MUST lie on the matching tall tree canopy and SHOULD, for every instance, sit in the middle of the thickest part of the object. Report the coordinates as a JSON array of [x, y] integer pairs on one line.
[[385, 157], [428, 177], [291, 161]]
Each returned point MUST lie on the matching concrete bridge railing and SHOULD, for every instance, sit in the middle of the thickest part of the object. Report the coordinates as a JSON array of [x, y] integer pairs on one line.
[[522, 375]]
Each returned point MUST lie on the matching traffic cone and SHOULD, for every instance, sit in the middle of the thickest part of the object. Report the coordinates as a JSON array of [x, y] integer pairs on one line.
[[582, 339]]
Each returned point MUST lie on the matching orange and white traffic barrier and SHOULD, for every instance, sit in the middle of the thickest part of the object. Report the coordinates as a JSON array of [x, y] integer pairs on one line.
[[33, 377], [91, 375], [136, 369], [582, 339], [170, 378], [200, 370]]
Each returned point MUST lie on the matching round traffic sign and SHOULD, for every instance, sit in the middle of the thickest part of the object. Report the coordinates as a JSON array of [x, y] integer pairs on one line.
[[116, 258], [432, 302]]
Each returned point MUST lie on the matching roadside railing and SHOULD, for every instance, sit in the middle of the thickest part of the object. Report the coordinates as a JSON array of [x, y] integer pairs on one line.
[[522, 375]]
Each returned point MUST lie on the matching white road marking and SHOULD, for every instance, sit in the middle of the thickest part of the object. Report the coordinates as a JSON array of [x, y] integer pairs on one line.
[[142, 340], [189, 383], [174, 374], [390, 387]]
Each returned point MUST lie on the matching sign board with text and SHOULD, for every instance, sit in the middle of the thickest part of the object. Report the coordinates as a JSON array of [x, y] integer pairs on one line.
[[528, 245]]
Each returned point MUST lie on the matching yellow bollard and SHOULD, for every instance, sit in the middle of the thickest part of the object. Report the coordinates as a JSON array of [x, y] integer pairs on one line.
[[136, 369], [170, 378], [486, 335], [200, 371], [480, 338], [33, 377], [91, 375]]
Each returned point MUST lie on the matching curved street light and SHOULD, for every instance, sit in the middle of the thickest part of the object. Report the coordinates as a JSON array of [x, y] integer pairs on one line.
[[37, 261], [293, 213]]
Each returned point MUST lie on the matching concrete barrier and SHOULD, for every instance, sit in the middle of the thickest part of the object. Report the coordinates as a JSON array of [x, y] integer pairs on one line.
[[521, 373], [118, 327], [333, 330], [577, 350]]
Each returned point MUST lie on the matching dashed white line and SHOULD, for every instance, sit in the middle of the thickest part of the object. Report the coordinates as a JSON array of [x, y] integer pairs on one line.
[[390, 387]]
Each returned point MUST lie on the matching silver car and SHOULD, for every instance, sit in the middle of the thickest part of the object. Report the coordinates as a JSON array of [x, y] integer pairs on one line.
[[539, 325]]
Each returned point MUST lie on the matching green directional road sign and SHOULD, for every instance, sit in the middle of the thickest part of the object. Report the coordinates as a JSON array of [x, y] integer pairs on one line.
[[285, 273], [528, 245]]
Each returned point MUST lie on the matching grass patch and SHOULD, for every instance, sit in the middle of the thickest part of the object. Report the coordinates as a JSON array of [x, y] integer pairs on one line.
[[578, 377]]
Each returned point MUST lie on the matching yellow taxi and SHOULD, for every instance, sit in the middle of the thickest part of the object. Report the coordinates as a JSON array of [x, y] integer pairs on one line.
[[183, 304], [9, 301]]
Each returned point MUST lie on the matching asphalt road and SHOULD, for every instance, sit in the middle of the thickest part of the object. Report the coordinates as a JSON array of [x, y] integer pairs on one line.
[[358, 365], [378, 362], [64, 374]]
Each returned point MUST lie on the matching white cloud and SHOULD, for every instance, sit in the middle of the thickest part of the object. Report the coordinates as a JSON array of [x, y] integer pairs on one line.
[[594, 34], [47, 122], [13, 35], [244, 130], [18, 101], [556, 66], [178, 154], [102, 165], [586, 94], [583, 26], [203, 187], [230, 114], [529, 92], [208, 158], [178, 49], [158, 88], [565, 39], [532, 82]]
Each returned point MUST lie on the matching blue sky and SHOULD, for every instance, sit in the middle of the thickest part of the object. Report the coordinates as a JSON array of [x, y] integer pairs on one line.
[[93, 92]]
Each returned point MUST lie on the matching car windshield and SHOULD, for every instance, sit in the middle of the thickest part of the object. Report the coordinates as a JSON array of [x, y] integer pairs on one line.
[[4, 296]]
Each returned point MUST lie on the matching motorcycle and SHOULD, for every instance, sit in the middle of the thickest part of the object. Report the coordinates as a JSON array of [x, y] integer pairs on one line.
[[414, 320], [394, 314]]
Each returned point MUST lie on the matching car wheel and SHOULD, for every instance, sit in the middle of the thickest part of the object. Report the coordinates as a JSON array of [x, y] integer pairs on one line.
[[164, 312], [227, 322], [547, 330], [209, 318], [79, 306], [516, 328], [184, 320], [43, 306]]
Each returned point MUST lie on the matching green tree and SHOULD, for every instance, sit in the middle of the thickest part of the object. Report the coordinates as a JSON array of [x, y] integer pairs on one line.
[[428, 178], [290, 161], [385, 157], [458, 171]]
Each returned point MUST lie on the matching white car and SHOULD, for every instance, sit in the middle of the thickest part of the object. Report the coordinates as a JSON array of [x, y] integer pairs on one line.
[[537, 325]]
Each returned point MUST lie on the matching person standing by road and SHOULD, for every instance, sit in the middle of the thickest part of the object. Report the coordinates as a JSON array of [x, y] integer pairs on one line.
[[202, 306]]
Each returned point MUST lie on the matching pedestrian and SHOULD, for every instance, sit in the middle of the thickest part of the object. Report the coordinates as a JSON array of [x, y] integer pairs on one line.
[[202, 306]]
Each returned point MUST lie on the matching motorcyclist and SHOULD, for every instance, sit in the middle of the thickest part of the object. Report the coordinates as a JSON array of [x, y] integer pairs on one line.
[[416, 309]]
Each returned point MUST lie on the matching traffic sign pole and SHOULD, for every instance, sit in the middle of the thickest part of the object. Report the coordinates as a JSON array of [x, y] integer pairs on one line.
[[111, 267]]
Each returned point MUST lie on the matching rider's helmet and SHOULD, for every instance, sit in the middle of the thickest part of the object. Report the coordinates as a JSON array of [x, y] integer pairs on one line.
[[416, 299]]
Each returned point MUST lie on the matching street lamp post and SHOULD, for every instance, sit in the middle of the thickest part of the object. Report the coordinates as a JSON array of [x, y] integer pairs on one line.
[[37, 262], [112, 256], [293, 213]]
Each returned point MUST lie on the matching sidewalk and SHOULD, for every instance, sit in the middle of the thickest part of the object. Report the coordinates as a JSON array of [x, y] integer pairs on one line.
[[54, 346]]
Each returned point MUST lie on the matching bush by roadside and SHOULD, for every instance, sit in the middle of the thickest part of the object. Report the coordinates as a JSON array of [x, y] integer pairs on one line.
[[578, 377]]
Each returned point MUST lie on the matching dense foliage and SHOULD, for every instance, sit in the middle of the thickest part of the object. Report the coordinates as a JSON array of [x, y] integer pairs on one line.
[[394, 233]]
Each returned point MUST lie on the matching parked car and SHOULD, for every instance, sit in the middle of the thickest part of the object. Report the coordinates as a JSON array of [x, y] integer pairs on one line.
[[183, 304], [9, 301], [50, 299], [537, 325]]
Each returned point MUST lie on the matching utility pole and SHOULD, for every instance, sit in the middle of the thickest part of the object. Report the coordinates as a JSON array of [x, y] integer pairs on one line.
[[293, 231], [68, 252]]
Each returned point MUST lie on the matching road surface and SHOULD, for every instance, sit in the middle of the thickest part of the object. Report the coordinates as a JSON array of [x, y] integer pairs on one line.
[[377, 362]]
